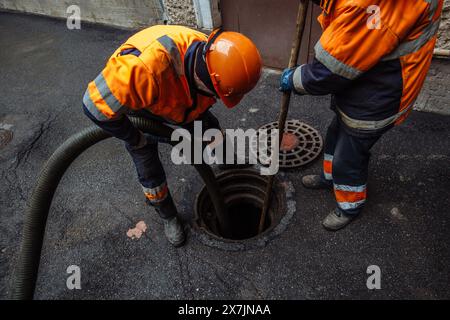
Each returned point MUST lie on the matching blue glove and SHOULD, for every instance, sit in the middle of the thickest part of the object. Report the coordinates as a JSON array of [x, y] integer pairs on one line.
[[286, 81]]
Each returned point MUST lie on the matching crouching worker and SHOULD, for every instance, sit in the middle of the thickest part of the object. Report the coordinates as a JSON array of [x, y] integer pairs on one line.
[[172, 74], [373, 58]]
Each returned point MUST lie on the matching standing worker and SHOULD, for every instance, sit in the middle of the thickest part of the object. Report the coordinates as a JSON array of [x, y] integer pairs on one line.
[[172, 74], [373, 57]]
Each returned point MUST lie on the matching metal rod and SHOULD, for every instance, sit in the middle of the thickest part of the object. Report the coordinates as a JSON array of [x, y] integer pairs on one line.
[[285, 100]]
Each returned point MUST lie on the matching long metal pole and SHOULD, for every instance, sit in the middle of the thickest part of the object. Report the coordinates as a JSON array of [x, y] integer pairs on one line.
[[285, 100]]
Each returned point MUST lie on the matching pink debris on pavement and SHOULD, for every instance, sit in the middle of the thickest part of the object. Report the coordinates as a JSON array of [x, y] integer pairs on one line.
[[138, 231]]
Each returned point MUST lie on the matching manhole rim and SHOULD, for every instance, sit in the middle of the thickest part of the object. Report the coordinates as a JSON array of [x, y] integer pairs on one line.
[[286, 209]]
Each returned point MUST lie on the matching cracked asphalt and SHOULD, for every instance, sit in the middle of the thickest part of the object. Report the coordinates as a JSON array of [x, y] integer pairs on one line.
[[44, 69]]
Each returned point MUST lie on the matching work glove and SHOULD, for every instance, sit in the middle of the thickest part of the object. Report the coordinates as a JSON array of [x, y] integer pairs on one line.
[[287, 81]]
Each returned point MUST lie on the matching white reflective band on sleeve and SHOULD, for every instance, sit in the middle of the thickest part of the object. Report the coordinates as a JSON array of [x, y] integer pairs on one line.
[[335, 66], [343, 187], [412, 46], [350, 205], [93, 110], [297, 79], [371, 125], [107, 95], [174, 53]]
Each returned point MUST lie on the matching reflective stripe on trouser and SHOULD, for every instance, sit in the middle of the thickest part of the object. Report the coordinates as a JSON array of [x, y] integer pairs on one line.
[[156, 194], [350, 163], [151, 171], [159, 198], [327, 171], [350, 197]]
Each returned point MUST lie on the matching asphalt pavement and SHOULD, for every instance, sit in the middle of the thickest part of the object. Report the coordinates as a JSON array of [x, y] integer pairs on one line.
[[44, 70]]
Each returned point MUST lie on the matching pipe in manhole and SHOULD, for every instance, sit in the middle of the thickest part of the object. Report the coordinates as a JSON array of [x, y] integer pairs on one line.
[[5, 137], [243, 192]]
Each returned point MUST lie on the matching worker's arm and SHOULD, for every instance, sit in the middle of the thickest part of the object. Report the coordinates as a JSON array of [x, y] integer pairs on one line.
[[348, 48], [313, 78], [121, 128], [125, 83]]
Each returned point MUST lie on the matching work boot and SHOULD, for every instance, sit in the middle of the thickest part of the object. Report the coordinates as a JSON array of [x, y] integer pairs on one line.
[[172, 225], [337, 220], [174, 231], [315, 181]]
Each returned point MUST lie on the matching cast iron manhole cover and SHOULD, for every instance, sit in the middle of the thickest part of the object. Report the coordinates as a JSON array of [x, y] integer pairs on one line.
[[294, 152], [5, 137], [243, 193]]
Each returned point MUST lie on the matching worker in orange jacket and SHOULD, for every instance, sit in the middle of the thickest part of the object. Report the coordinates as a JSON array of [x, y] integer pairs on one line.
[[172, 74], [373, 57]]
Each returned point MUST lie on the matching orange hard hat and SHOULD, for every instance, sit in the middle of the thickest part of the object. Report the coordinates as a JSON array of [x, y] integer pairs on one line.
[[234, 65]]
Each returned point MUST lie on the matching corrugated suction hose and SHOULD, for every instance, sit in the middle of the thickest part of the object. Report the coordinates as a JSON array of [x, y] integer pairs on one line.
[[38, 207]]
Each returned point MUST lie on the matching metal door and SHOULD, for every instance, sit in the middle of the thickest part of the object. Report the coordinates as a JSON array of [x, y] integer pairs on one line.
[[271, 25]]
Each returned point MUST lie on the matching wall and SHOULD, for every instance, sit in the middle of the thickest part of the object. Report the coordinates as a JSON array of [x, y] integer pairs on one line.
[[123, 13], [444, 31], [435, 96], [141, 13]]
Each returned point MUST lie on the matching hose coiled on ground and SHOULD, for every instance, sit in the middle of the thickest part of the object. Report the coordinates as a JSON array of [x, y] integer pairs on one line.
[[38, 207]]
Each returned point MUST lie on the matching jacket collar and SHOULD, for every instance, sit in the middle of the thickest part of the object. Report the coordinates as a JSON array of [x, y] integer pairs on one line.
[[189, 69]]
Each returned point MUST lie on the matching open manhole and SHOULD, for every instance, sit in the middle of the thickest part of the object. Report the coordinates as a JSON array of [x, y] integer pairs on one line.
[[243, 192], [5, 137], [301, 144]]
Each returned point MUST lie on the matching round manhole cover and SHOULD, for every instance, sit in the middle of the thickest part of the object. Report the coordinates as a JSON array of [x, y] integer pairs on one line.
[[302, 144], [5, 137]]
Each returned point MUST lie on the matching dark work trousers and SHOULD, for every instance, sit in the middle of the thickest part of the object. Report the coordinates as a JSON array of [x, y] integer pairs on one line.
[[151, 172], [149, 168], [345, 166]]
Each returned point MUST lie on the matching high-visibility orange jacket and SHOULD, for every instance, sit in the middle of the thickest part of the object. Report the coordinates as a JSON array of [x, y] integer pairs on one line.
[[373, 56], [148, 72]]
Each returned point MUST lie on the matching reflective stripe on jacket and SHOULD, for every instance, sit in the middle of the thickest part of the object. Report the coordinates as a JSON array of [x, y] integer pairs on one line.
[[148, 72], [373, 56]]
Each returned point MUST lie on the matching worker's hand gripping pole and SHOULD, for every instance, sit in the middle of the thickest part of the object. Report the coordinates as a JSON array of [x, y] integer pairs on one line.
[[285, 100]]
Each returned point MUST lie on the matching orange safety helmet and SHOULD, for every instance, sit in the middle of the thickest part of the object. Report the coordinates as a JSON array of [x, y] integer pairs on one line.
[[234, 65]]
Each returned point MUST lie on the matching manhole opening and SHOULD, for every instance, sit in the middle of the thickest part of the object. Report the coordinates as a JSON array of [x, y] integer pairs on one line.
[[244, 219], [243, 192]]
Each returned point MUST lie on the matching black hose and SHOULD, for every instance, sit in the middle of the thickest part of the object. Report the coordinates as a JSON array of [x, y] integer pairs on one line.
[[38, 207]]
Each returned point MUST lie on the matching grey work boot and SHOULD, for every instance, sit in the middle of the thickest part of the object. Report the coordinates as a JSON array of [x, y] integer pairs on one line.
[[314, 181], [174, 231], [336, 220]]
